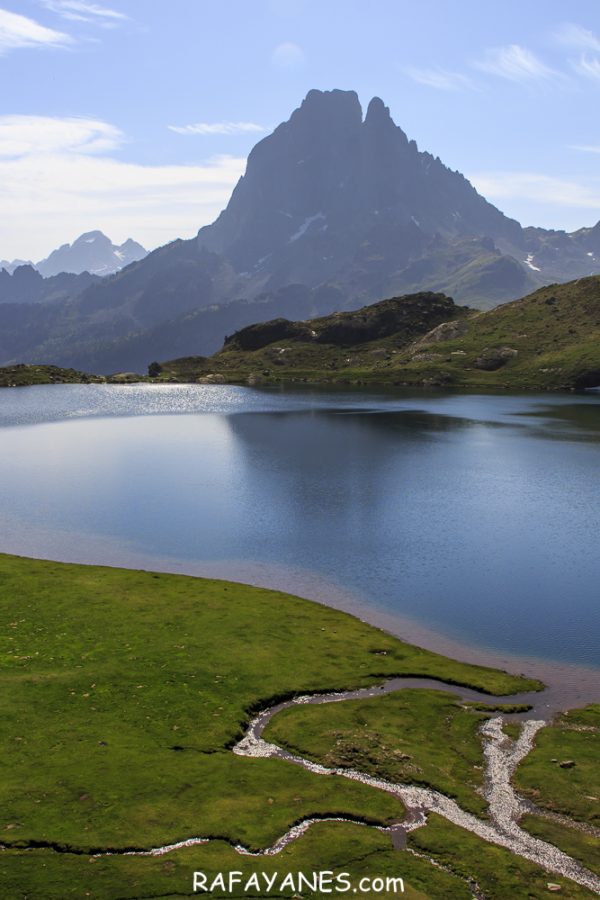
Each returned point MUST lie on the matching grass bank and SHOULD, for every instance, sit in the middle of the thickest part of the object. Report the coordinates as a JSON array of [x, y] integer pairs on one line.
[[121, 695]]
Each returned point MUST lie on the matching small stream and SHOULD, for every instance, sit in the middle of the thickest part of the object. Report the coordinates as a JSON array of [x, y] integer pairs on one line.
[[502, 756]]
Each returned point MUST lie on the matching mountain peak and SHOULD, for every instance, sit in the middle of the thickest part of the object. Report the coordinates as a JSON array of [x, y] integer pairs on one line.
[[90, 234], [91, 252], [379, 124], [377, 111], [335, 97], [26, 272], [92, 237], [328, 109], [324, 182]]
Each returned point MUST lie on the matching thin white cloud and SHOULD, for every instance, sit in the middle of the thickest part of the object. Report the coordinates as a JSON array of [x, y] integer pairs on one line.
[[17, 32], [585, 148], [22, 135], [218, 128], [441, 79], [81, 11], [588, 66], [575, 36], [536, 188], [288, 55], [515, 63], [60, 180]]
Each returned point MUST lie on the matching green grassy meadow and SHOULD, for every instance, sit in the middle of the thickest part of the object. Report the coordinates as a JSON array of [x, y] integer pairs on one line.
[[572, 788], [123, 693], [415, 736]]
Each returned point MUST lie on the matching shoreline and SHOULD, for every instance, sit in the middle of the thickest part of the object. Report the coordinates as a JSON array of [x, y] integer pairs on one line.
[[567, 685], [300, 383]]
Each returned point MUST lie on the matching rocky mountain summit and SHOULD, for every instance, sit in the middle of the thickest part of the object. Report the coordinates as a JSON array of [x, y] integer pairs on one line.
[[335, 211], [332, 198], [330, 192], [92, 252]]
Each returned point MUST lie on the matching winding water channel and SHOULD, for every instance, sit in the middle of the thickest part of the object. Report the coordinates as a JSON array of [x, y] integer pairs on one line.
[[502, 756]]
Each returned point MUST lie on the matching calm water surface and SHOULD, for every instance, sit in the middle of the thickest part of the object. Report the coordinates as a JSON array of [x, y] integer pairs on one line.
[[477, 515]]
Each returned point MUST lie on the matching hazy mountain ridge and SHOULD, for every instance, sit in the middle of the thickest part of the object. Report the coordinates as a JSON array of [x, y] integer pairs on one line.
[[27, 285], [11, 264], [91, 252]]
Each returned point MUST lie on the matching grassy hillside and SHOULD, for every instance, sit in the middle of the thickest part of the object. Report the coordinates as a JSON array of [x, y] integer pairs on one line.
[[562, 773], [472, 270], [550, 340], [21, 375], [562, 776]]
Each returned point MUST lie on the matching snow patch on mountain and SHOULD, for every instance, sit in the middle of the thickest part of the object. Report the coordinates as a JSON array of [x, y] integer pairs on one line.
[[306, 225]]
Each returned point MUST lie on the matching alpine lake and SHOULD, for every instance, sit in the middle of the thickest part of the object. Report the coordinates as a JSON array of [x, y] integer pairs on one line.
[[475, 517], [162, 727]]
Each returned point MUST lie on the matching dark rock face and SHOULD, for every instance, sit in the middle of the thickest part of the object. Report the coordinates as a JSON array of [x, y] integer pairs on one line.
[[494, 358], [405, 316], [325, 182], [256, 336], [588, 379], [410, 316]]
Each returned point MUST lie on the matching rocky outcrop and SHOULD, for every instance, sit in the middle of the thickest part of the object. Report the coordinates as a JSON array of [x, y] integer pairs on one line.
[[256, 336], [493, 358], [447, 331], [404, 317]]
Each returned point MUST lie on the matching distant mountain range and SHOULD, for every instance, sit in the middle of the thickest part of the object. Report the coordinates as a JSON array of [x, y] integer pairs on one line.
[[334, 211], [11, 264], [92, 252], [27, 286]]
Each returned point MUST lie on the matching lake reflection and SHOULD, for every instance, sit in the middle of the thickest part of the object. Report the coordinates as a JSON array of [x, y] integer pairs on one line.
[[477, 515]]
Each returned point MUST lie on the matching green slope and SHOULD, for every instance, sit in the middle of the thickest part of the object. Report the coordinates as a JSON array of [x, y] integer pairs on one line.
[[21, 375], [549, 340], [122, 694]]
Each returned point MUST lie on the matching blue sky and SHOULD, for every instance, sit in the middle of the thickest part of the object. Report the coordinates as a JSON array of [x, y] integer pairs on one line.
[[136, 117]]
